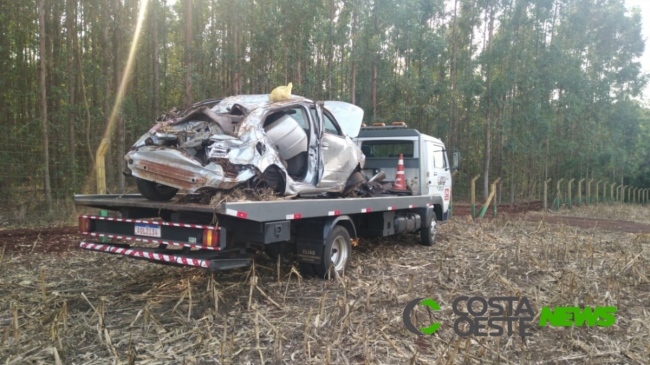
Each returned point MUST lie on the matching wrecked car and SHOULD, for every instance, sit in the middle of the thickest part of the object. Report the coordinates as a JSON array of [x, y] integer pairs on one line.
[[297, 147]]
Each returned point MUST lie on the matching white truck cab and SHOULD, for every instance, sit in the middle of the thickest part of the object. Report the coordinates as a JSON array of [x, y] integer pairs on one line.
[[426, 166]]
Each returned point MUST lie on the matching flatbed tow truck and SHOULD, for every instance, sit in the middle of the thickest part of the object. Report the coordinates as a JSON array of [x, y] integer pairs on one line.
[[319, 231]]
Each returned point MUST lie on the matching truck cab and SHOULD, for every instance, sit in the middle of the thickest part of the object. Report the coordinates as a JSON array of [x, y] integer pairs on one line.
[[426, 166]]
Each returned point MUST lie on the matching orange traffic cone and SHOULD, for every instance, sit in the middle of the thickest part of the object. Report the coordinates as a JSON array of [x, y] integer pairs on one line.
[[400, 180]]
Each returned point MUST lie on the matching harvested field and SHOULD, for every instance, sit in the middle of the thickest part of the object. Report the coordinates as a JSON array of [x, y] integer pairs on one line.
[[74, 307]]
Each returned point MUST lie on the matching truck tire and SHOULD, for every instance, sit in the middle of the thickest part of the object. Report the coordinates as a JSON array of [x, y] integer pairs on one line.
[[154, 191], [336, 254], [428, 234]]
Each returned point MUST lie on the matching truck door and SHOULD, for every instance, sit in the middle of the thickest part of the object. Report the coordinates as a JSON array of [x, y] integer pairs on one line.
[[431, 174], [438, 176]]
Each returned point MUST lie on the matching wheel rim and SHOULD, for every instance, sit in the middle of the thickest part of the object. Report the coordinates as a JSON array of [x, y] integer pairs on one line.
[[339, 253], [433, 229]]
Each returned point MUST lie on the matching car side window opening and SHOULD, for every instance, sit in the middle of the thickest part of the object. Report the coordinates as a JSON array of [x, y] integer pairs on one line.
[[288, 129], [329, 125]]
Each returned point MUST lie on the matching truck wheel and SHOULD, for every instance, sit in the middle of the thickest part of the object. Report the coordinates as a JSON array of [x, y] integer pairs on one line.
[[154, 191], [429, 233], [336, 255]]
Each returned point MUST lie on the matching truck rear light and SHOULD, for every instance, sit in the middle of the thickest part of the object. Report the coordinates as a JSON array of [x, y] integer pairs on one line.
[[84, 224], [210, 238]]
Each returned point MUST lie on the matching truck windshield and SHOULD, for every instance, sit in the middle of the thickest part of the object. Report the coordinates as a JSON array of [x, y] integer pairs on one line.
[[387, 149]]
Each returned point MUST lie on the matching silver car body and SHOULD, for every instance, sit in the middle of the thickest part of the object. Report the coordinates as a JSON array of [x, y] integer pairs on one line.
[[241, 137]]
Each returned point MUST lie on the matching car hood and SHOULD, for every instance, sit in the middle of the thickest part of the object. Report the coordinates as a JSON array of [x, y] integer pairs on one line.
[[349, 116]]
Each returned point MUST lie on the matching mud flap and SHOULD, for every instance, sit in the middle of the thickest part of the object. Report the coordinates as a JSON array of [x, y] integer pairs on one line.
[[309, 251]]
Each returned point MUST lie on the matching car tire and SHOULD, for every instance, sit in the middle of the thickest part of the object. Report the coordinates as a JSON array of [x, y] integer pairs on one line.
[[154, 191], [428, 234], [336, 254]]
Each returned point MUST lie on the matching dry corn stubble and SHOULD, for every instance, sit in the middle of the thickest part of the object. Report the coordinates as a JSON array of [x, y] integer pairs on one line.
[[100, 309]]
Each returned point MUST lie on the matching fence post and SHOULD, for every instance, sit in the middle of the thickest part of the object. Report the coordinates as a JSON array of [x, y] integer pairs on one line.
[[487, 202], [473, 196], [589, 191], [611, 193], [546, 195], [496, 201], [570, 183], [579, 200], [451, 195], [597, 192], [558, 194], [618, 193], [629, 191]]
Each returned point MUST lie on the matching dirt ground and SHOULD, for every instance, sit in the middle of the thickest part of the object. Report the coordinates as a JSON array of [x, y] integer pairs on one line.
[[60, 305]]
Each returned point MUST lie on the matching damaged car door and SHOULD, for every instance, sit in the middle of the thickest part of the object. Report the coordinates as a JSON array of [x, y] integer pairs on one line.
[[338, 153]]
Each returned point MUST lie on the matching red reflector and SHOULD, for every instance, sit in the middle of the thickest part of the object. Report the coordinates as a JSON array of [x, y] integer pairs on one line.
[[84, 224]]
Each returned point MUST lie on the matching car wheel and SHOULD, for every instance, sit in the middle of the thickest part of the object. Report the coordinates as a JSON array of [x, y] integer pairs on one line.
[[336, 255], [429, 233], [154, 191]]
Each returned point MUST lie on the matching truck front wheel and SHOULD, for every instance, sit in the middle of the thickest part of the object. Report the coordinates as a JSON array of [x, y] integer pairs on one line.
[[429, 233], [336, 255], [154, 191]]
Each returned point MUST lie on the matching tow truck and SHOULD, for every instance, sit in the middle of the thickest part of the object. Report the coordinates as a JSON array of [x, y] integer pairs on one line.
[[317, 231]]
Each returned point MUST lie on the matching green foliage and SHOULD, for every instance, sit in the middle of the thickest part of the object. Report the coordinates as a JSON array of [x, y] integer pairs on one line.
[[565, 71]]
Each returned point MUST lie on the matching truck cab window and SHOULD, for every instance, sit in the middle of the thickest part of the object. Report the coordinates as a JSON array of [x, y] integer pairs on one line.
[[439, 159], [387, 149]]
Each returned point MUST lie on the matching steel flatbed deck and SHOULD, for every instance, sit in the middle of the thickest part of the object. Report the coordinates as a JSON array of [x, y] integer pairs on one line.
[[264, 211]]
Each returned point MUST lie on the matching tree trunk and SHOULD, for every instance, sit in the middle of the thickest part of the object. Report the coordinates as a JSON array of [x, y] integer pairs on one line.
[[235, 77], [452, 112], [486, 166], [108, 161], [117, 72], [330, 53], [70, 21], [156, 63], [46, 142], [374, 91], [188, 48], [353, 68]]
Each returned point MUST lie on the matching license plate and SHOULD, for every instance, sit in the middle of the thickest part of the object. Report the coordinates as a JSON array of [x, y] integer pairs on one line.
[[149, 230]]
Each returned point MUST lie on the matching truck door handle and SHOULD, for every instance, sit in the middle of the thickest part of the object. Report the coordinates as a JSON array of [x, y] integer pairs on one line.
[[325, 145]]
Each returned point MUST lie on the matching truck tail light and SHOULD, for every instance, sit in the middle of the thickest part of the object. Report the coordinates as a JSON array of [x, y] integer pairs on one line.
[[210, 238], [84, 224]]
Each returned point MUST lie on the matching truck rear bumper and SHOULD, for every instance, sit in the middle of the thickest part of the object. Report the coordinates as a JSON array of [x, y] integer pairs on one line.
[[206, 260]]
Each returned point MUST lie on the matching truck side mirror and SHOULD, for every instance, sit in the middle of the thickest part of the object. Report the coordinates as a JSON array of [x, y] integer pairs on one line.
[[455, 161]]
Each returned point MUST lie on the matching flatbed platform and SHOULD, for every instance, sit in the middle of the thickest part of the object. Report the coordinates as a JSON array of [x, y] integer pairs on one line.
[[265, 211]]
